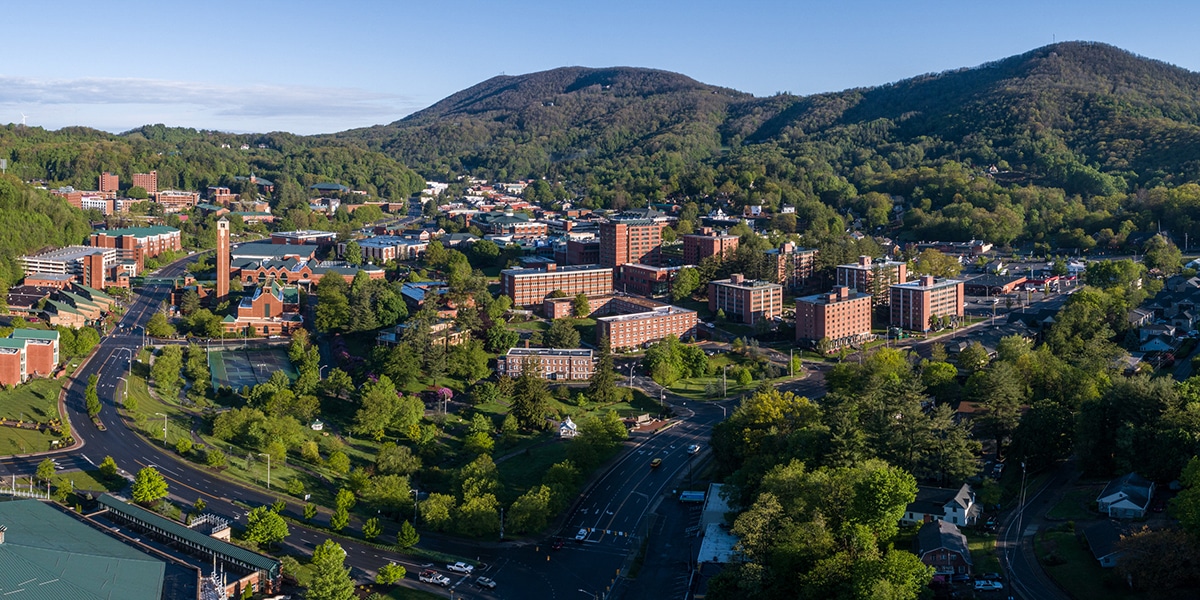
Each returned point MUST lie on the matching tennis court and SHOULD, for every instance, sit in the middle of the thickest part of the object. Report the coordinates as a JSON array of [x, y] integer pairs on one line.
[[249, 367]]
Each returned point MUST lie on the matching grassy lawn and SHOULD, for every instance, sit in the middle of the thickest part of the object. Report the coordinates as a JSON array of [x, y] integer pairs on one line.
[[24, 441], [534, 325], [1075, 504], [33, 401], [90, 481], [1079, 573], [983, 553], [520, 473]]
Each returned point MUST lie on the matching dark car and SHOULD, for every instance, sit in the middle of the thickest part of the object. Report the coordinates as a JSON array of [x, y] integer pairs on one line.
[[558, 544]]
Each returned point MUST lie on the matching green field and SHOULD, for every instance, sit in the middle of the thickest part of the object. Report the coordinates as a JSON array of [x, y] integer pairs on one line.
[[1080, 574], [36, 401], [1075, 505]]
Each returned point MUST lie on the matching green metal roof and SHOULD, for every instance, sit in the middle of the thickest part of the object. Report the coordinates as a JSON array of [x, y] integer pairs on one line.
[[12, 343], [48, 555], [138, 231], [93, 292], [34, 334], [258, 561], [63, 307]]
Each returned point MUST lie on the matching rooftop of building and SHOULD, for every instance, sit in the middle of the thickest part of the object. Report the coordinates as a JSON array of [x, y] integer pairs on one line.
[[147, 231], [919, 284], [269, 250], [303, 233], [549, 352], [567, 269], [51, 276], [71, 253], [824, 298], [994, 280], [49, 555], [387, 241], [874, 264], [642, 267], [34, 334], [661, 311], [749, 284], [329, 187]]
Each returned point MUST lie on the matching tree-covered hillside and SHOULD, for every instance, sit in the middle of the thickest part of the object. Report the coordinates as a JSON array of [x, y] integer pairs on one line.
[[188, 159], [31, 220], [1084, 138]]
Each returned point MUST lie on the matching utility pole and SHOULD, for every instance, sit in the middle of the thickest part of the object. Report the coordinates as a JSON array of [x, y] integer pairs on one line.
[[158, 414], [724, 387], [501, 523], [268, 468]]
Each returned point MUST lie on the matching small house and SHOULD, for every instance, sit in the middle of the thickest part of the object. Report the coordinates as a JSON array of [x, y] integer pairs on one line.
[[1126, 497], [956, 506], [942, 546], [567, 429], [1102, 540]]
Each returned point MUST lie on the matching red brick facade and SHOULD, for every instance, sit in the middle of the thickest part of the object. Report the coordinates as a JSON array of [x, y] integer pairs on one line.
[[630, 241], [697, 247], [531, 286], [842, 316], [745, 301], [147, 181]]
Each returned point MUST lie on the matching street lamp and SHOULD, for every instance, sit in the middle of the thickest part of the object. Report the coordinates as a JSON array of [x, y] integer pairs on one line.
[[415, 495], [268, 468], [630, 374], [130, 351], [125, 390], [164, 427]]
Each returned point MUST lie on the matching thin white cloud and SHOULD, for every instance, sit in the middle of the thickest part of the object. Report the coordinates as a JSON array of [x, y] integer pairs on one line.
[[227, 106]]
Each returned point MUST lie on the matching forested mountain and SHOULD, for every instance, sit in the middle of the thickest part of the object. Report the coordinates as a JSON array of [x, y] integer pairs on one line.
[[188, 159], [1087, 139]]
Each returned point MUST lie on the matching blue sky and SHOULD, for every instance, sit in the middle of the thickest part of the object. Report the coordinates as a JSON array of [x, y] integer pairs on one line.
[[318, 67]]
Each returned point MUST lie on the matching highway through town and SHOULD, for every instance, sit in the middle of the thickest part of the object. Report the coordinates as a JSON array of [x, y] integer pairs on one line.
[[613, 509]]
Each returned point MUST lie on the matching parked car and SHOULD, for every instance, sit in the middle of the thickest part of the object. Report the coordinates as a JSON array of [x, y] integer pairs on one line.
[[654, 463], [431, 576], [485, 582], [582, 535], [558, 544], [460, 567], [988, 586], [991, 576]]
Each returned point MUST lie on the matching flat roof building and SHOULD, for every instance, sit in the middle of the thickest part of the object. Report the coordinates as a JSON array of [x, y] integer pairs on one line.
[[136, 244], [699, 246], [531, 286], [630, 240], [794, 266], [745, 300], [300, 238], [635, 329], [89, 265], [872, 277], [926, 303], [556, 364], [842, 317]]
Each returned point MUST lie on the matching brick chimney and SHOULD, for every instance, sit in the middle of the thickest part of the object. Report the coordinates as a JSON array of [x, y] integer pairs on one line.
[[843, 291], [864, 261], [927, 280], [736, 278]]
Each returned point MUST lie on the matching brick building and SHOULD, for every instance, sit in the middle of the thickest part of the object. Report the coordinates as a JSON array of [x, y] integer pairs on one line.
[[583, 252], [630, 240], [138, 243], [914, 303], [272, 309], [147, 181], [633, 330], [794, 266], [699, 246], [222, 261], [872, 277], [644, 280], [745, 300], [28, 353], [842, 316], [174, 201], [555, 364], [531, 286], [517, 225], [90, 266], [220, 195], [299, 238], [109, 182]]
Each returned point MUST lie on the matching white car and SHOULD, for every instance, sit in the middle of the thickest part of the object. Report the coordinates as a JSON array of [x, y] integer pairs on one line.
[[985, 586], [460, 567], [582, 535]]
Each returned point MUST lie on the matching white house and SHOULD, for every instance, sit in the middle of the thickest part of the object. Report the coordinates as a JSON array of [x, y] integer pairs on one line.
[[567, 429], [1126, 497], [955, 506]]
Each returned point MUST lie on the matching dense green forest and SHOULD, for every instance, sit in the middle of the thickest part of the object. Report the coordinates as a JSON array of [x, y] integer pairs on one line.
[[1088, 142], [30, 220]]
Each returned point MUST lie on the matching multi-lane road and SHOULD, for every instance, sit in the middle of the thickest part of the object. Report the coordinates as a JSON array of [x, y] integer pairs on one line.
[[613, 509]]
